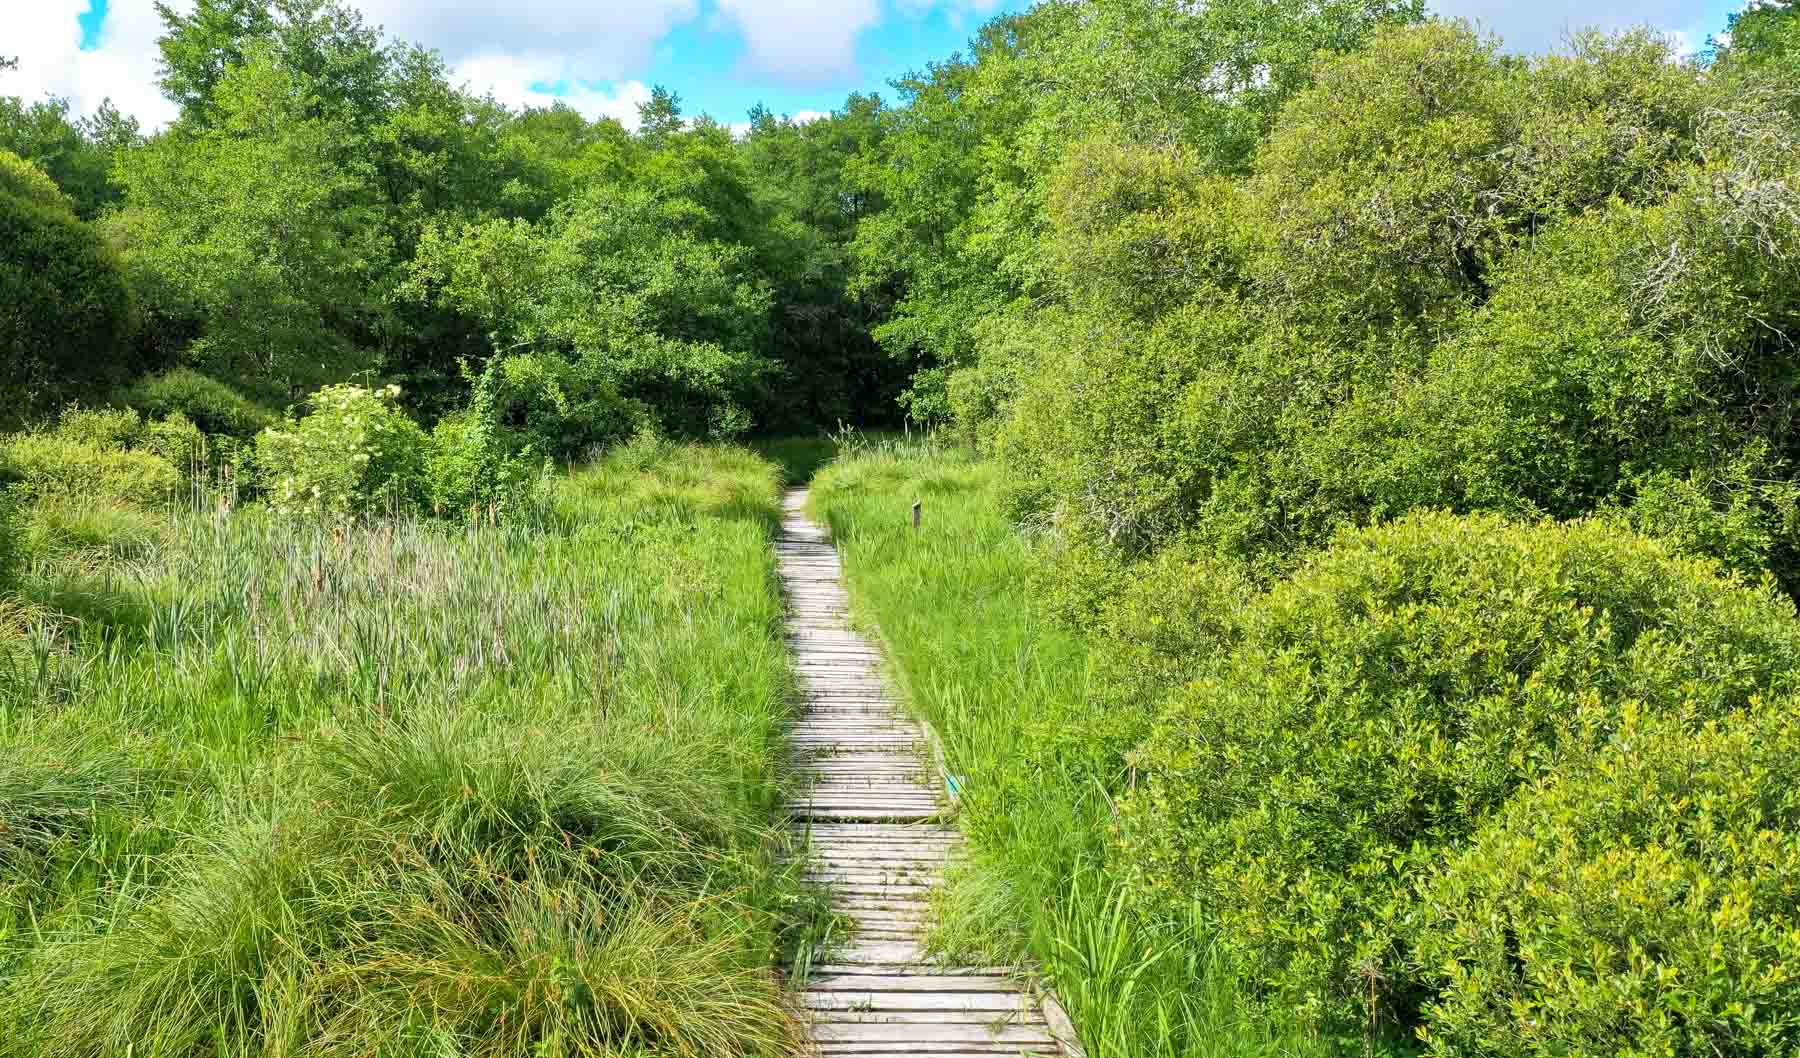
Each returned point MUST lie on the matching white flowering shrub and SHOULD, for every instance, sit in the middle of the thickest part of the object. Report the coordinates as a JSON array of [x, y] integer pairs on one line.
[[356, 452]]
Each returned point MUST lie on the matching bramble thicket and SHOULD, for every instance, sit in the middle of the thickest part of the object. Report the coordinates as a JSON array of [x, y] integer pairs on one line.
[[1358, 584]]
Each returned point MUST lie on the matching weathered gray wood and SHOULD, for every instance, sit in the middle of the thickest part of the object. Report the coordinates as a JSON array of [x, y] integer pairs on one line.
[[867, 815]]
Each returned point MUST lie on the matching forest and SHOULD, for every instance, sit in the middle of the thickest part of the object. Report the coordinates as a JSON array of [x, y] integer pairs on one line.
[[1356, 587]]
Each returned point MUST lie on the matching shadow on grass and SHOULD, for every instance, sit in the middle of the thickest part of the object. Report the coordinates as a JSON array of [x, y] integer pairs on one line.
[[798, 457]]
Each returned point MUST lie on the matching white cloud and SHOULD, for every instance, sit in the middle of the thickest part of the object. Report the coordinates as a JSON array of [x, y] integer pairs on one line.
[[958, 10], [588, 40], [1545, 26], [801, 39], [46, 38], [510, 77]]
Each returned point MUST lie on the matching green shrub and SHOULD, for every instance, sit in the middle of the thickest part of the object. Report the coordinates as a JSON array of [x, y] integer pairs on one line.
[[64, 308], [114, 428], [23, 180], [471, 465], [213, 406], [49, 465], [554, 406], [1383, 703], [1644, 903], [355, 452]]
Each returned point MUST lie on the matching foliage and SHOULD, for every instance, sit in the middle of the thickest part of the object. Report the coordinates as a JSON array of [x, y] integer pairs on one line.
[[49, 465], [1374, 711], [1558, 286], [251, 229], [213, 406], [354, 452], [1638, 903], [472, 466], [76, 154], [631, 286], [1761, 40], [64, 309], [965, 166]]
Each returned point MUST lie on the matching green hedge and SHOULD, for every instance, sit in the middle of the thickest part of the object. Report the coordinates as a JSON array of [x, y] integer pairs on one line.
[[1378, 708]]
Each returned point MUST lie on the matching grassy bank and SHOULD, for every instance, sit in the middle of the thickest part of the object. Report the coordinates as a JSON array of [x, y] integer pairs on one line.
[[1017, 703], [271, 787]]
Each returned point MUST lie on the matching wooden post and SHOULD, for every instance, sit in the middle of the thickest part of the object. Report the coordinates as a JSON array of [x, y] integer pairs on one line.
[[917, 505]]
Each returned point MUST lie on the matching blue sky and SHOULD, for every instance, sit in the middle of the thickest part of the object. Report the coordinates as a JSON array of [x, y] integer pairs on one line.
[[798, 56]]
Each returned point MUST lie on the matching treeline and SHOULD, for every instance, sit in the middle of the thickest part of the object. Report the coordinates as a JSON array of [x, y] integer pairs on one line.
[[331, 207]]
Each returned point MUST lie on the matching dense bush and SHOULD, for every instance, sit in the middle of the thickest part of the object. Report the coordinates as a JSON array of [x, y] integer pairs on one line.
[[472, 466], [64, 309], [52, 465], [354, 452], [555, 407], [213, 406], [1642, 903], [1380, 706], [1559, 286]]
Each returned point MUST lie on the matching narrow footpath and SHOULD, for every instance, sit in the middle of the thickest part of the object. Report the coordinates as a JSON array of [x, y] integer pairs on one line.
[[874, 812]]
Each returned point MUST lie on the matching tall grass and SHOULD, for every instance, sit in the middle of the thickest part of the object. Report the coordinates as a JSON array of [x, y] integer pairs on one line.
[[1040, 742], [275, 787]]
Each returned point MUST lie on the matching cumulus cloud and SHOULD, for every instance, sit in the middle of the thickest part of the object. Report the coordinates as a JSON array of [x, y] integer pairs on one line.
[[1544, 25], [538, 80], [800, 39], [594, 40], [46, 37]]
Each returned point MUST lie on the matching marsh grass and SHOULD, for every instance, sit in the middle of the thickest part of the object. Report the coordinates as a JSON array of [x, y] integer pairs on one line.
[[1040, 742], [279, 787]]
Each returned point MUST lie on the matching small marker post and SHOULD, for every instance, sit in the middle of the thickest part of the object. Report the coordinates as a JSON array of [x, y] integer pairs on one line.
[[918, 505]]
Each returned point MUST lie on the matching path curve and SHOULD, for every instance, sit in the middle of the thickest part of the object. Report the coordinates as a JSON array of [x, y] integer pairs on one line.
[[874, 813]]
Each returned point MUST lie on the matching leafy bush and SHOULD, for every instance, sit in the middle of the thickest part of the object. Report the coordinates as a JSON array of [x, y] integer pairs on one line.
[[101, 427], [472, 466], [64, 308], [23, 180], [1643, 903], [554, 406], [1376, 709], [355, 452], [51, 465], [213, 406]]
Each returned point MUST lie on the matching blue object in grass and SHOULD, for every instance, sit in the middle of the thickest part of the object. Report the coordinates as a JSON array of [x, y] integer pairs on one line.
[[954, 785]]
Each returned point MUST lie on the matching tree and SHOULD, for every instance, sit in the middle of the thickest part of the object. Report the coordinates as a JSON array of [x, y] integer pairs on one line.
[[77, 154], [1762, 38], [198, 49], [254, 227], [64, 308]]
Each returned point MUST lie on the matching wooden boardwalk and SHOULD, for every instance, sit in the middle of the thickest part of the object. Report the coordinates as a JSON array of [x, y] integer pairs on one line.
[[872, 808]]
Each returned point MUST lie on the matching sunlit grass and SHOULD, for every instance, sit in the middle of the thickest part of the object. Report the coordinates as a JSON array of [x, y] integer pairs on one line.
[[276, 787], [1040, 746]]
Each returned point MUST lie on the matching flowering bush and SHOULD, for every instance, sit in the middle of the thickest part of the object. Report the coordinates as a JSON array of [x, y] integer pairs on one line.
[[356, 452]]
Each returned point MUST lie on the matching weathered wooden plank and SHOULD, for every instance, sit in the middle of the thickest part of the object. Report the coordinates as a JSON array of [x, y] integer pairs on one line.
[[864, 806], [928, 1032]]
